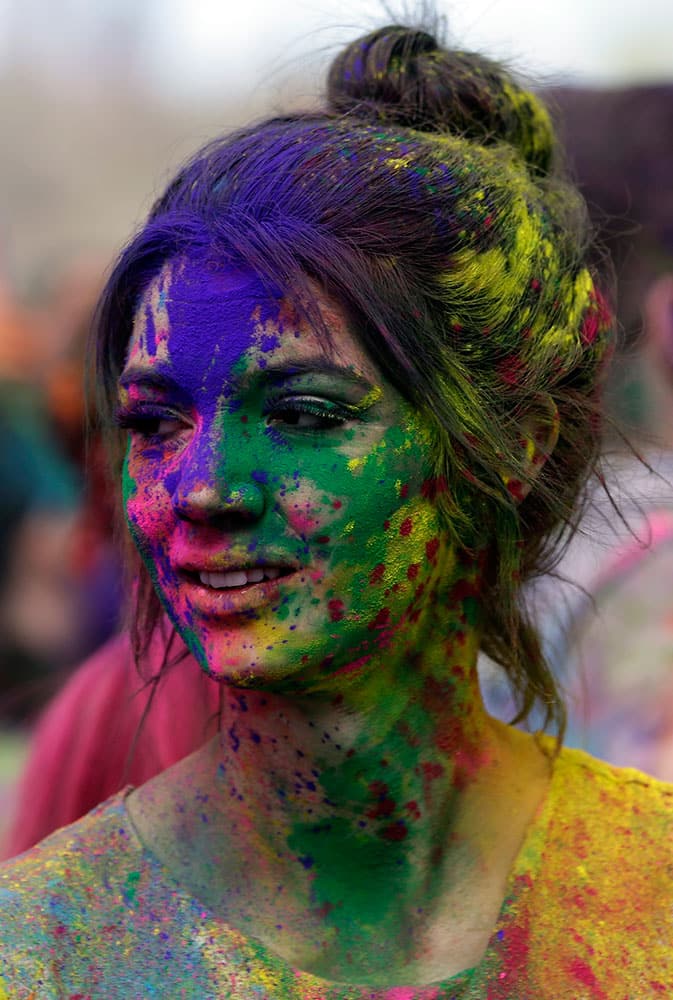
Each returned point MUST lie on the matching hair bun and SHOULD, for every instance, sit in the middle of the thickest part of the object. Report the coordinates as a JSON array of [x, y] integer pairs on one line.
[[403, 75]]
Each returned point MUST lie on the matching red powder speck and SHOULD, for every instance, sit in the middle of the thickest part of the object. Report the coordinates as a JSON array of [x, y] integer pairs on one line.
[[412, 571], [583, 973], [431, 549], [336, 609], [412, 809], [381, 620], [396, 831], [322, 539], [590, 328], [354, 666], [337, 504], [511, 369], [433, 486], [432, 771], [386, 525], [376, 574], [385, 806], [404, 491], [516, 489], [406, 526], [462, 589], [244, 419]]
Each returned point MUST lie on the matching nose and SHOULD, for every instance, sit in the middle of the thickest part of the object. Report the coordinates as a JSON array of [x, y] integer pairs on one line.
[[204, 501], [202, 493]]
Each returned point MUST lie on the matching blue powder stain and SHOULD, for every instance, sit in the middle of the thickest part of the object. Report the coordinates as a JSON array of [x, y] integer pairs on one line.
[[259, 476], [269, 342], [307, 861], [150, 331]]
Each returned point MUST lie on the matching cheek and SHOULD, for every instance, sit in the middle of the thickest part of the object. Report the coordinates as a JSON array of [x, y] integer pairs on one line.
[[313, 514], [146, 504]]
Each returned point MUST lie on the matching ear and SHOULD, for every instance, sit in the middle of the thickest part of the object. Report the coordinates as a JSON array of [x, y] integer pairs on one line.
[[538, 434]]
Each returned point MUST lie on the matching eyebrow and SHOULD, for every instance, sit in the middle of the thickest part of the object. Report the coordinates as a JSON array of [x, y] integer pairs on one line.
[[152, 378], [317, 365], [155, 378]]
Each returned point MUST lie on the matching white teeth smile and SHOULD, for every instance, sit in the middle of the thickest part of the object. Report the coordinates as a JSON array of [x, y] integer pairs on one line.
[[238, 577]]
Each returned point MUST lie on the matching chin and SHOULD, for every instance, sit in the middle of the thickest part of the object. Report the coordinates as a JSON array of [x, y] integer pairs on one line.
[[293, 666]]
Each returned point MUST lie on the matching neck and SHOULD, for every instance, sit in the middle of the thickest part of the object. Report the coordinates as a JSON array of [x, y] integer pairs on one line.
[[349, 811]]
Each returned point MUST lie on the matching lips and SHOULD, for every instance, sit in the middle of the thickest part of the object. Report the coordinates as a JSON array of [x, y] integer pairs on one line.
[[239, 577], [217, 591]]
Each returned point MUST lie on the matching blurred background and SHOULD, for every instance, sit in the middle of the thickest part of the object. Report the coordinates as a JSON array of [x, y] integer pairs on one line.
[[101, 99]]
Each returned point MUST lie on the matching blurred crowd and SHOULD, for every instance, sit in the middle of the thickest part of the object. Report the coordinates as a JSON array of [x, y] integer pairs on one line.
[[608, 623], [59, 591], [59, 572]]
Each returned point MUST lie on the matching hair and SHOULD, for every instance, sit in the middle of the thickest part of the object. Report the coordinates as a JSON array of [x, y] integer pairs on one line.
[[427, 198]]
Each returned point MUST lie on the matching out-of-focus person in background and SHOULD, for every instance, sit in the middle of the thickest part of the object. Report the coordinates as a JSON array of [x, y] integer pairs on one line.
[[38, 496], [59, 572], [59, 578]]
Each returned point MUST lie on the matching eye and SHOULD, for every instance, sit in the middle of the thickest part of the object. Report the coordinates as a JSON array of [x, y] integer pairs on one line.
[[149, 424], [309, 413]]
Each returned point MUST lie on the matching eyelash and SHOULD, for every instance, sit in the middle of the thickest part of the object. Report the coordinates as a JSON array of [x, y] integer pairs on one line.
[[333, 415], [144, 422], [329, 414]]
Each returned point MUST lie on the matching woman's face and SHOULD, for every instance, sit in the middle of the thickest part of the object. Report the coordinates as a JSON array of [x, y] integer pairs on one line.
[[279, 494]]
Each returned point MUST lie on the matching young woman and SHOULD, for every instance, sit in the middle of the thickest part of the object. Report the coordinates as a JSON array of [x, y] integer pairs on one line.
[[355, 357]]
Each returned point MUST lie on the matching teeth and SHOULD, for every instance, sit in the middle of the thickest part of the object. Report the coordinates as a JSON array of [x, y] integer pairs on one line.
[[238, 577]]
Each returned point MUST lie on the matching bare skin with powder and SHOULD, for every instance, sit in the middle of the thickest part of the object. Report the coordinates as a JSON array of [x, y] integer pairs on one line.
[[359, 812]]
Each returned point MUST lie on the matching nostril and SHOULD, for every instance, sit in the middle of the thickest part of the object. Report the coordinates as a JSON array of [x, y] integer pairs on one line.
[[239, 502]]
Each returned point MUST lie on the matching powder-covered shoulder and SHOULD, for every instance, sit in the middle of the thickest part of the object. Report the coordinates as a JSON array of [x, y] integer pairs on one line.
[[618, 819], [48, 894], [625, 788]]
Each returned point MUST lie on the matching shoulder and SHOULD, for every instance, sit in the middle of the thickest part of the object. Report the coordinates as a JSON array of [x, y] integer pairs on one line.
[[72, 852], [621, 799], [590, 908], [55, 896], [601, 879]]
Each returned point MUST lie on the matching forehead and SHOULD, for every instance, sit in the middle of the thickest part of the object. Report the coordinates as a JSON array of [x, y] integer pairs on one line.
[[196, 316]]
